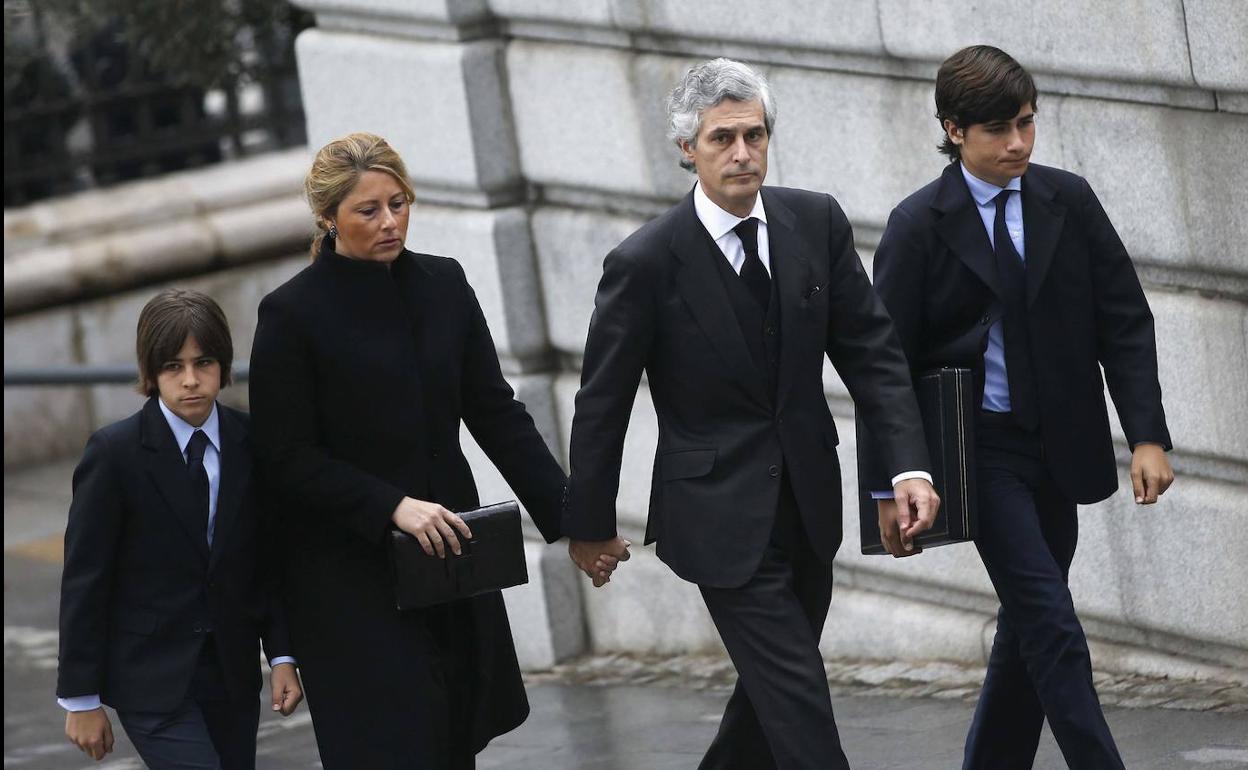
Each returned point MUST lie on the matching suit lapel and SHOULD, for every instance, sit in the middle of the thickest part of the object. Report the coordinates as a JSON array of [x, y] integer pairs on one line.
[[235, 470], [167, 470], [700, 286], [1043, 217], [961, 228], [790, 268]]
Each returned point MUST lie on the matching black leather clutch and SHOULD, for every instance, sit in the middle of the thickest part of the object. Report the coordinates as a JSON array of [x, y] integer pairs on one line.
[[946, 402], [491, 561]]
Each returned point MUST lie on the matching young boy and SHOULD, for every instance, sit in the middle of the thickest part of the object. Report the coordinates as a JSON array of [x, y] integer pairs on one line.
[[1013, 270], [166, 589]]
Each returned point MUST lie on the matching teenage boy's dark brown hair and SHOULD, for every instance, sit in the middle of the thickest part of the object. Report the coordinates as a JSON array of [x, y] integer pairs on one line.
[[164, 324], [980, 84]]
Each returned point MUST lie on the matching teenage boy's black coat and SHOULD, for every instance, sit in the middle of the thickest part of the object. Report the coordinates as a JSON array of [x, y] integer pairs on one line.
[[936, 273]]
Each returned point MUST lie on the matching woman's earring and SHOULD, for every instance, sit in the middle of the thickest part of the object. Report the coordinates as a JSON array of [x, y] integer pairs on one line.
[[333, 231]]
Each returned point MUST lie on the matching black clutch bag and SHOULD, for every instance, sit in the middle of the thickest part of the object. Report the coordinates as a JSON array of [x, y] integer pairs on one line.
[[491, 561], [946, 402]]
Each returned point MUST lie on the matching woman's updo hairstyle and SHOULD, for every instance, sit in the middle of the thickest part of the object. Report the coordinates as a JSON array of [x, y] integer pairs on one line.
[[338, 167]]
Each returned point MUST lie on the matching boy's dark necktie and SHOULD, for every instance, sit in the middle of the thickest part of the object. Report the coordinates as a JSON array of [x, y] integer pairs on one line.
[[195, 449], [1012, 274]]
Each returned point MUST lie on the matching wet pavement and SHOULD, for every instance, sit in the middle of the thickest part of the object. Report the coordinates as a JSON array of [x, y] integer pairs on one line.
[[609, 713]]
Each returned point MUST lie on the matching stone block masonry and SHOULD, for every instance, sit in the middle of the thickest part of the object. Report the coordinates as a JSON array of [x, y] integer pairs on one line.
[[534, 132]]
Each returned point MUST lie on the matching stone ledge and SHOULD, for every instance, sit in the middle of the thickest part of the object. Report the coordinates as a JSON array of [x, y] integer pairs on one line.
[[105, 241], [906, 679], [132, 205]]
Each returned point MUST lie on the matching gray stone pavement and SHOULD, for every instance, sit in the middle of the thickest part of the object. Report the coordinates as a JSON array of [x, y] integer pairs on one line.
[[609, 712]]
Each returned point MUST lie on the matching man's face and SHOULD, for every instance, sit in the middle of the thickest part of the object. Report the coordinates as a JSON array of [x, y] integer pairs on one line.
[[997, 151], [731, 154], [190, 382]]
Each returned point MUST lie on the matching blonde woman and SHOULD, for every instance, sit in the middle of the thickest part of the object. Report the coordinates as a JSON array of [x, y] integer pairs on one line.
[[363, 366]]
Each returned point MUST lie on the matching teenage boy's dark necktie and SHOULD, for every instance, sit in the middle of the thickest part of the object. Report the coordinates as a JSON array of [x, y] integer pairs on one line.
[[752, 271], [1012, 275], [195, 449]]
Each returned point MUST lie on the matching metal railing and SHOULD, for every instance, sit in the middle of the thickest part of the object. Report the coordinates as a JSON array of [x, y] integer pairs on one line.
[[97, 113], [38, 376]]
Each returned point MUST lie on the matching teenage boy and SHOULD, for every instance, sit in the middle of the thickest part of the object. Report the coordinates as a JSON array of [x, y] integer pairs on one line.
[[166, 592], [1013, 270]]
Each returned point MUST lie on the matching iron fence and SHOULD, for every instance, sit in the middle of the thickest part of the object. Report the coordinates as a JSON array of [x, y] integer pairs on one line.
[[37, 376], [92, 111]]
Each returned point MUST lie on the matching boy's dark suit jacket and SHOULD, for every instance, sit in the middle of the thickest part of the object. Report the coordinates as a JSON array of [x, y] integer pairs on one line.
[[936, 273], [140, 586], [724, 441]]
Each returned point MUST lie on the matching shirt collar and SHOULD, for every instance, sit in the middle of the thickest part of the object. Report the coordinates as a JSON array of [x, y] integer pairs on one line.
[[984, 192], [719, 222], [183, 430]]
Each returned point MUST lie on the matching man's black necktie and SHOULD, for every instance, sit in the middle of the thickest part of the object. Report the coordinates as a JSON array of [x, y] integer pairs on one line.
[[1012, 274], [752, 271], [195, 449]]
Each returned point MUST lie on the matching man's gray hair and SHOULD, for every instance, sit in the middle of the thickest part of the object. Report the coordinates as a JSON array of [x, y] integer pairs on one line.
[[705, 86]]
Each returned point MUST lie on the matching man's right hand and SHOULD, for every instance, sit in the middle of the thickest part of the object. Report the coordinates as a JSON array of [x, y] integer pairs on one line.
[[90, 731], [913, 510], [433, 526], [599, 558]]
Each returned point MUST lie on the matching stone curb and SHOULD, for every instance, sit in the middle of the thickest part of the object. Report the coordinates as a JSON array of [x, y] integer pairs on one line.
[[918, 679]]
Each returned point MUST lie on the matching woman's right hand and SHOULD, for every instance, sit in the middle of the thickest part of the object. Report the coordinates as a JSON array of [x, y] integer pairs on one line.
[[433, 526]]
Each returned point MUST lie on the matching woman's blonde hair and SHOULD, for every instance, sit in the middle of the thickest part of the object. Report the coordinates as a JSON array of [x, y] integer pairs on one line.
[[337, 168]]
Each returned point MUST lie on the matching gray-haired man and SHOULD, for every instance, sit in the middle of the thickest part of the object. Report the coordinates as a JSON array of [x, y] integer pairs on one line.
[[729, 302]]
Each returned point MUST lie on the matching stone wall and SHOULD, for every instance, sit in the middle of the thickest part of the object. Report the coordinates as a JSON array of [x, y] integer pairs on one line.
[[534, 132], [545, 119]]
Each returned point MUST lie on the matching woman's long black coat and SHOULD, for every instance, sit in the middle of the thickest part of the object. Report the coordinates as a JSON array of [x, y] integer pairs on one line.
[[360, 376]]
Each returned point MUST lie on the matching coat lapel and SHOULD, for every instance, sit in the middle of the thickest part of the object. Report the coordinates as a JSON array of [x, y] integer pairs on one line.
[[792, 272], [167, 470], [703, 291], [961, 228], [235, 472], [1043, 217]]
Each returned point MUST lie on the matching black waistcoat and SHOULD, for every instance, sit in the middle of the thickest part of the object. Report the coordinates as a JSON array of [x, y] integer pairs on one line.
[[760, 329]]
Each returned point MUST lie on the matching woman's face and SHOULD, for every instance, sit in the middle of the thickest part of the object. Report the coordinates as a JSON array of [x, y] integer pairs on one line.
[[372, 219]]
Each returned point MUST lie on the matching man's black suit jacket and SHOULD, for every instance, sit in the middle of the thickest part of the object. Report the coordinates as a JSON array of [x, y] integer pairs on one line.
[[140, 587], [724, 442], [936, 273]]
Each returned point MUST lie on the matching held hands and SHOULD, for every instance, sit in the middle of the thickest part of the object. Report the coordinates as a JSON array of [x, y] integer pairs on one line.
[[433, 526], [90, 731], [1150, 473], [599, 558], [911, 511], [286, 693]]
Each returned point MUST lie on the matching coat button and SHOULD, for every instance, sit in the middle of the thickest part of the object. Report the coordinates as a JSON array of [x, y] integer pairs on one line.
[[984, 321], [773, 471], [771, 330], [198, 628]]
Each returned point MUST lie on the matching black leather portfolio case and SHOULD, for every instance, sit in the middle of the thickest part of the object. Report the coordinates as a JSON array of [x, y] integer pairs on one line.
[[946, 401], [491, 561]]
